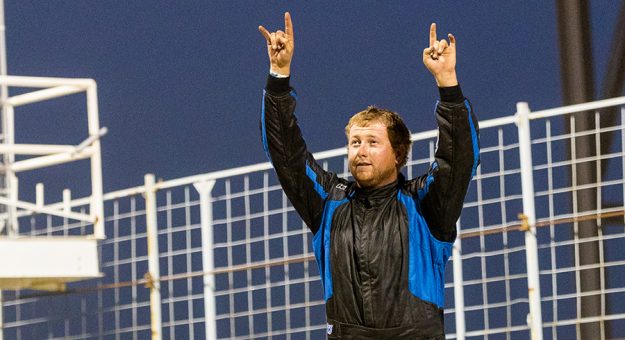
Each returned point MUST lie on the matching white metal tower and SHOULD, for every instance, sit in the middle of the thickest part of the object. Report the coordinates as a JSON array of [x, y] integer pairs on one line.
[[45, 261]]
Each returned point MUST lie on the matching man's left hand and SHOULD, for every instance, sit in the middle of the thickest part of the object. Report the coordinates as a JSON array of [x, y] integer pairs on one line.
[[440, 59]]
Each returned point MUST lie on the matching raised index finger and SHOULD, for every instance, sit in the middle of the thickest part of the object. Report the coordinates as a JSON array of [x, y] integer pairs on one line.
[[432, 34], [288, 25]]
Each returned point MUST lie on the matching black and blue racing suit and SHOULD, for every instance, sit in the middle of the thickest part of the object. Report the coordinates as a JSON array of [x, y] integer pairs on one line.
[[381, 252]]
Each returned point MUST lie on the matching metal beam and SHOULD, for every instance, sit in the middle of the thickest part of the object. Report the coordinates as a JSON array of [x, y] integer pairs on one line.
[[578, 87], [41, 95]]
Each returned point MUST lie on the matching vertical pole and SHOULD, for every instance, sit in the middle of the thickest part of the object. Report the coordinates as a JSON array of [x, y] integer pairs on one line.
[[39, 195], [153, 262], [96, 207], [67, 200], [531, 247], [575, 40], [11, 180], [8, 178], [206, 221], [458, 289], [4, 94]]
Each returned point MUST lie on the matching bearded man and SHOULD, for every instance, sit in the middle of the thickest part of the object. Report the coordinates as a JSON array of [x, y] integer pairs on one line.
[[381, 241]]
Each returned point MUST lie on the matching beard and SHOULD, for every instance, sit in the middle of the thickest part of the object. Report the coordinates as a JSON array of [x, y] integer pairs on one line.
[[371, 176]]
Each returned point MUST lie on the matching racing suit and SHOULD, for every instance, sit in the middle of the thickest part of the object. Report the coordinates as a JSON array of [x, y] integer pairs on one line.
[[381, 252]]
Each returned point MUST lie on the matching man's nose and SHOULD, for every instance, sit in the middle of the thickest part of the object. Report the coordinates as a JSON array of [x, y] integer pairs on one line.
[[363, 150]]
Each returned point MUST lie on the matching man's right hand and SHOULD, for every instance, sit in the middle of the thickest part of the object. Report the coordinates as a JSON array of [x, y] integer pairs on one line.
[[280, 46]]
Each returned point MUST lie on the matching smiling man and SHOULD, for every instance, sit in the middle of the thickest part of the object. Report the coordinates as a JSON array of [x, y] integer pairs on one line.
[[381, 241]]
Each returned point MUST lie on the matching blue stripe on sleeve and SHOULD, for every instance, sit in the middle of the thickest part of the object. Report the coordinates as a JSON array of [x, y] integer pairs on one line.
[[428, 181], [264, 129], [476, 148], [313, 177], [263, 126], [423, 191]]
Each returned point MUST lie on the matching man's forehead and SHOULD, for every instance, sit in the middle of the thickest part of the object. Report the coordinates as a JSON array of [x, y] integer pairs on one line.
[[371, 127]]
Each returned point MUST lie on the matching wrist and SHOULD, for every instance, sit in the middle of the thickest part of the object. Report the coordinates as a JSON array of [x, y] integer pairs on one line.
[[446, 79], [281, 72], [278, 75]]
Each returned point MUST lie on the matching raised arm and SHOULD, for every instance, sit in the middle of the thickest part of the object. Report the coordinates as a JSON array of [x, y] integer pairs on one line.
[[442, 190], [305, 183]]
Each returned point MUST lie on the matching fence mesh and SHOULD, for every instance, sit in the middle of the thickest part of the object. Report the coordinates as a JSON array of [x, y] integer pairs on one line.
[[266, 280]]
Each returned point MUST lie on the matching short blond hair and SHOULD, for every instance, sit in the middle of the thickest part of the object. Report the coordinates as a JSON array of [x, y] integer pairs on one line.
[[398, 132]]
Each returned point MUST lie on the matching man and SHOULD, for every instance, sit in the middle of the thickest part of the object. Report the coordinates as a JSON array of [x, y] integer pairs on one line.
[[381, 241]]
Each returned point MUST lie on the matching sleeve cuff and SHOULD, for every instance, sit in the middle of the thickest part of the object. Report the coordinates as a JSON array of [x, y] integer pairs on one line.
[[278, 85], [452, 94]]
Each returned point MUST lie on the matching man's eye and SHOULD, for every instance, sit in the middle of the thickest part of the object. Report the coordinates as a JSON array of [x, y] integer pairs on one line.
[[355, 142]]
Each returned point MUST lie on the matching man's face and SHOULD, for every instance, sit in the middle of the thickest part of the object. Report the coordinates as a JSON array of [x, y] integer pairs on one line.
[[370, 154]]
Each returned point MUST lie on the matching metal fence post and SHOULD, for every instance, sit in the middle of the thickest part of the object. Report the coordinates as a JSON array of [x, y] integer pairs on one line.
[[531, 247], [206, 221], [153, 276], [97, 201], [458, 288]]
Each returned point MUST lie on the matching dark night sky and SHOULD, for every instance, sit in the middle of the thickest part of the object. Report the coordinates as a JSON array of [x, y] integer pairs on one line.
[[180, 83]]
